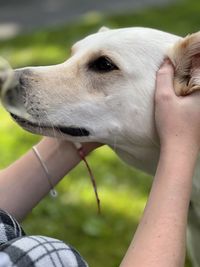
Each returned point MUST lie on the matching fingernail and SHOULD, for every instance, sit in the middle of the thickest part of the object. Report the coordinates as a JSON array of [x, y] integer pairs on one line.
[[163, 63], [167, 61]]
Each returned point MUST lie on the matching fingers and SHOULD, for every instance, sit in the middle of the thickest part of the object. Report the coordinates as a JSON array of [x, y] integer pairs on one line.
[[88, 147], [164, 81]]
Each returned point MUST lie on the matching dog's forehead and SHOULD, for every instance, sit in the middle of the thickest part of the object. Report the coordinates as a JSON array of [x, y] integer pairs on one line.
[[126, 38], [100, 40]]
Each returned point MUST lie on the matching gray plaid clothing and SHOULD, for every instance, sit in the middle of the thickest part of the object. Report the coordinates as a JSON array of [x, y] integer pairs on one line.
[[19, 250]]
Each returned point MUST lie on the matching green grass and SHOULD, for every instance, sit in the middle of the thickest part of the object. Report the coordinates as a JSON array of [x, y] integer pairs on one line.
[[103, 239]]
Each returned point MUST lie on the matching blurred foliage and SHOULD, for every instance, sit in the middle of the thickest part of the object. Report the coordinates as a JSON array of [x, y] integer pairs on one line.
[[101, 239]]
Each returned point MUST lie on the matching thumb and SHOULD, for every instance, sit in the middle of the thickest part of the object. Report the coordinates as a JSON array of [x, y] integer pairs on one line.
[[164, 79]]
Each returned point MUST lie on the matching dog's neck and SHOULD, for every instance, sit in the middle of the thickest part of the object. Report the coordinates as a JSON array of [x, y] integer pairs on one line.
[[145, 157]]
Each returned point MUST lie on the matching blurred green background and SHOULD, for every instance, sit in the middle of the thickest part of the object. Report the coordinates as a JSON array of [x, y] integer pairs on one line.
[[72, 217]]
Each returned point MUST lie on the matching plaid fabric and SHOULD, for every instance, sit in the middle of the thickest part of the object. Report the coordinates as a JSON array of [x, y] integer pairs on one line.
[[19, 250]]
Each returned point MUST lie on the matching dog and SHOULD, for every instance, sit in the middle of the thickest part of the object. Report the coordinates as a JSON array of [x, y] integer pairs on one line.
[[105, 92]]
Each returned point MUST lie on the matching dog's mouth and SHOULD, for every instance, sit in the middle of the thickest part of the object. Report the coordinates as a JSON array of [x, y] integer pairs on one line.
[[72, 131]]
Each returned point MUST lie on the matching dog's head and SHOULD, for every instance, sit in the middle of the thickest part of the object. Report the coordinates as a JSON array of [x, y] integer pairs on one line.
[[104, 92]]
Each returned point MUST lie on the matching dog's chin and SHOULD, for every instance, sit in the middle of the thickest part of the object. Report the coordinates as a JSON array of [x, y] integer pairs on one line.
[[50, 130]]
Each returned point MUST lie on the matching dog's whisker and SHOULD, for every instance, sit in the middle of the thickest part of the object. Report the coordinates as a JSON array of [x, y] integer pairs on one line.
[[52, 126], [115, 144], [40, 129]]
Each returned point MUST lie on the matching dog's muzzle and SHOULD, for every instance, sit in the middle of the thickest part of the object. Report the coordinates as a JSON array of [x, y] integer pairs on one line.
[[13, 96]]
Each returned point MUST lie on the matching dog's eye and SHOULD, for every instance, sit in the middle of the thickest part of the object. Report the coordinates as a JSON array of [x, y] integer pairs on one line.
[[102, 64]]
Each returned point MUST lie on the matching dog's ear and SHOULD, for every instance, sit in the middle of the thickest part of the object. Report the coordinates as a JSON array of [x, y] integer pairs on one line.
[[185, 56], [103, 29]]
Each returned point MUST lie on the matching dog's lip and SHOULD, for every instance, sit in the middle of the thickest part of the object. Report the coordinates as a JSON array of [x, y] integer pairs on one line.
[[73, 131]]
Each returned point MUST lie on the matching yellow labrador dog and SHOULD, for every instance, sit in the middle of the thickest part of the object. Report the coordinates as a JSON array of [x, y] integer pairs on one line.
[[105, 92]]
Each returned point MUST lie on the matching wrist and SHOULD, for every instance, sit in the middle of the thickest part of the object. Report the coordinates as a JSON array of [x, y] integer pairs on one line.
[[180, 159], [54, 148], [180, 146], [58, 156]]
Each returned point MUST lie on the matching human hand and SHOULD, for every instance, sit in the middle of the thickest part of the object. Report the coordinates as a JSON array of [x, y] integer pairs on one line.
[[177, 118], [60, 156], [64, 145], [88, 147]]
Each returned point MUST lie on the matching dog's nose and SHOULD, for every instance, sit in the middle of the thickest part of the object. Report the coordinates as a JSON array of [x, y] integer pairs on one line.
[[13, 94], [5, 71], [3, 76]]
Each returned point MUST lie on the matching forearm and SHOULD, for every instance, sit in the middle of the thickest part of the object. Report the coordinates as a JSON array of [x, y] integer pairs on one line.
[[160, 237], [24, 183]]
